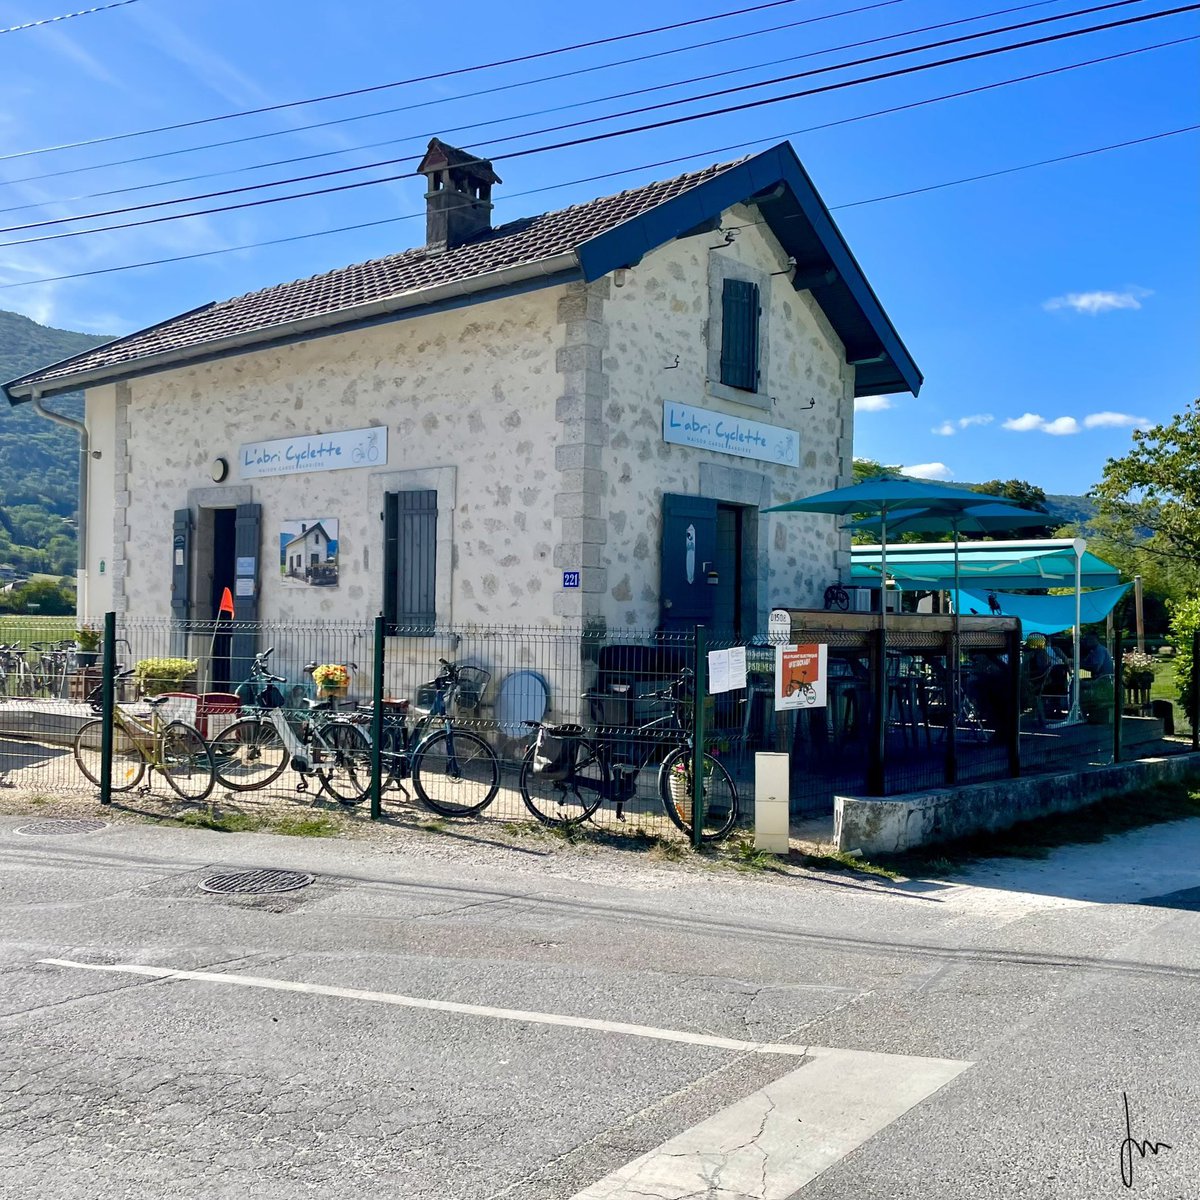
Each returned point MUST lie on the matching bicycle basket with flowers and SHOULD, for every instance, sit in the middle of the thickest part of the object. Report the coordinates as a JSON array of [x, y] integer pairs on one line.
[[681, 785], [331, 678]]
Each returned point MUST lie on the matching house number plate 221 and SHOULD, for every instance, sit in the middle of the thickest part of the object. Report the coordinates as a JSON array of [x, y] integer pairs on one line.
[[570, 579]]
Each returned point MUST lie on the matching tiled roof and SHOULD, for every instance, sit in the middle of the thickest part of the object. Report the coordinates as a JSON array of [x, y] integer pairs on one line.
[[517, 243]]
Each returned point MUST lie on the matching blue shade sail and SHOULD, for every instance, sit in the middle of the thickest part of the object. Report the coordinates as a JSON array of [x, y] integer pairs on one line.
[[1041, 614]]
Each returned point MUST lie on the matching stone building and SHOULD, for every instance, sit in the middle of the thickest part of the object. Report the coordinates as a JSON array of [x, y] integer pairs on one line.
[[571, 418]]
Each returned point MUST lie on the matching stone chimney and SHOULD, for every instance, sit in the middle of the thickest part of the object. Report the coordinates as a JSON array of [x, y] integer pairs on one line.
[[458, 199]]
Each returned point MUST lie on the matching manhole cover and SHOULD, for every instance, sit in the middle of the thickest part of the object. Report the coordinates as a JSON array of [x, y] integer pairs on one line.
[[61, 825], [255, 883]]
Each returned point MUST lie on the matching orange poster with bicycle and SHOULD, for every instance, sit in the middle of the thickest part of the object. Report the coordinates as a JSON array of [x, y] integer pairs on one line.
[[801, 673]]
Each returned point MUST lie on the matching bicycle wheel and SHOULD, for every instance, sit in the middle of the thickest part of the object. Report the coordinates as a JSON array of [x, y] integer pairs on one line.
[[720, 794], [128, 765], [247, 755], [342, 754], [186, 764], [571, 800], [455, 773]]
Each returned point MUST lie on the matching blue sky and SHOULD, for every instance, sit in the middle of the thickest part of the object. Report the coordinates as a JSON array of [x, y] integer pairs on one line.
[[1050, 309]]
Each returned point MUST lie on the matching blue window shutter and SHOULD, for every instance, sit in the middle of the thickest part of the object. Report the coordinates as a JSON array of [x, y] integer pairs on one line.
[[181, 565], [739, 334], [410, 558]]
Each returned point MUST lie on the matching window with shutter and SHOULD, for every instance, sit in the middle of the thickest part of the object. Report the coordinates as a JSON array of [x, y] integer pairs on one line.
[[739, 334], [410, 559]]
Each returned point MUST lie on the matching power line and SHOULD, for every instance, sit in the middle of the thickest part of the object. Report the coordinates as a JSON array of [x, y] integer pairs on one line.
[[380, 87], [934, 187], [342, 171], [86, 12], [499, 120], [705, 154], [522, 83]]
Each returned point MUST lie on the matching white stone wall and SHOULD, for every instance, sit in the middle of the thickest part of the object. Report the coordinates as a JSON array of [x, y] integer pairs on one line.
[[538, 419], [472, 390], [663, 311]]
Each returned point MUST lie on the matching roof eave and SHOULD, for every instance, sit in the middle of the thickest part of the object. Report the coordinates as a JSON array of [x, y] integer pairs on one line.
[[893, 370], [27, 386]]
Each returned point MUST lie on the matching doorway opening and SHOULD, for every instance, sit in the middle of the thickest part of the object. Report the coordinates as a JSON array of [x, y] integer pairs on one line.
[[735, 602], [216, 561]]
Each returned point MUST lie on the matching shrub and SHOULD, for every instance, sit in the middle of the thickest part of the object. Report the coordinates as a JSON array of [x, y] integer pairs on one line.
[[1185, 620], [157, 675]]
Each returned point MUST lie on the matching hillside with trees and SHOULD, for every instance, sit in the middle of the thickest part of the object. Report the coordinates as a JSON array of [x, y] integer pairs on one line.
[[39, 460]]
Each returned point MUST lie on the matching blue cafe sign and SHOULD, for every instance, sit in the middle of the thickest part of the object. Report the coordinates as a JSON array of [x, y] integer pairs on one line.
[[684, 425]]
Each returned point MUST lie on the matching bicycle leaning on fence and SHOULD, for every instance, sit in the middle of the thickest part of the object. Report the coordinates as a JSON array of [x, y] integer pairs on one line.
[[173, 748], [454, 771], [568, 772], [315, 740]]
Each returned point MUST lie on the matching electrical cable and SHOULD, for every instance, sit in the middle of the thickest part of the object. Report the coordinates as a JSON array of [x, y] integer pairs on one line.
[[380, 87], [442, 100], [641, 110], [299, 237], [86, 12]]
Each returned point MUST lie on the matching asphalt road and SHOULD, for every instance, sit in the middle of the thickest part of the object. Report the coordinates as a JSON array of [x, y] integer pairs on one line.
[[439, 1018]]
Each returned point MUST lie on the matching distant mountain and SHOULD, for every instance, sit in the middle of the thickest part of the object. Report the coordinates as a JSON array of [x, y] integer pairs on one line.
[[1071, 510], [39, 460]]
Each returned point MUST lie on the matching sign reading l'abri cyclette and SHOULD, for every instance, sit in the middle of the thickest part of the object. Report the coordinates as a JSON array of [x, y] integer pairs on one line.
[[707, 430], [315, 452]]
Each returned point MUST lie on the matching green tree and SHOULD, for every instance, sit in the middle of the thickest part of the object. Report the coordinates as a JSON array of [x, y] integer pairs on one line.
[[1028, 494], [1148, 505]]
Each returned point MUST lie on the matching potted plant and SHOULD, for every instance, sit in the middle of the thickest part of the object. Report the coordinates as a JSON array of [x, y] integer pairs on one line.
[[332, 679], [154, 676], [681, 786], [87, 646], [1137, 675]]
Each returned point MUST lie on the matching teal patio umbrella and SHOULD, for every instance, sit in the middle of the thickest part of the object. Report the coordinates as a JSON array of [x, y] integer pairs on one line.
[[885, 496]]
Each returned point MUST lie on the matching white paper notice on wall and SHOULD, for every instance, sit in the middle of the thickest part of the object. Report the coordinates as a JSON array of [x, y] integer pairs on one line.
[[244, 587], [726, 670], [179, 558]]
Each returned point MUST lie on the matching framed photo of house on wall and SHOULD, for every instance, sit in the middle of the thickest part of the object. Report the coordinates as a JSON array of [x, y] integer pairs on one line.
[[308, 552]]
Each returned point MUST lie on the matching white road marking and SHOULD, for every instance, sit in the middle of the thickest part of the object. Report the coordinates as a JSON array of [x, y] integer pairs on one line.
[[472, 1010], [780, 1138]]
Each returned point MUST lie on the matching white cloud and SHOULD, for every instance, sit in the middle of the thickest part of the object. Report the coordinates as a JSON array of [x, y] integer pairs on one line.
[[1093, 303], [932, 470], [871, 403], [950, 428], [1058, 427], [1100, 420]]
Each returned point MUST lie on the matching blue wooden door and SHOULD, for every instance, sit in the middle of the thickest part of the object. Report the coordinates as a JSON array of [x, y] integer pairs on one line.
[[689, 551]]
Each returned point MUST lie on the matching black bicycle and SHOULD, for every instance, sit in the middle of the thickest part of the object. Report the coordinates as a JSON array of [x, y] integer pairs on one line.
[[454, 771], [837, 597], [568, 772]]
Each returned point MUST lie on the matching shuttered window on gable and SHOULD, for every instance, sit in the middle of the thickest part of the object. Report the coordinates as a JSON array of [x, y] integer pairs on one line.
[[410, 561], [739, 334]]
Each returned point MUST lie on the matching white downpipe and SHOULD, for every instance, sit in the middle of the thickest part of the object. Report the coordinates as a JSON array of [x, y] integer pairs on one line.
[[1076, 711]]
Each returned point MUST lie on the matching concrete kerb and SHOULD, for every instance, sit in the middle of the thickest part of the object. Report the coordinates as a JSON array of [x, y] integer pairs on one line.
[[895, 824]]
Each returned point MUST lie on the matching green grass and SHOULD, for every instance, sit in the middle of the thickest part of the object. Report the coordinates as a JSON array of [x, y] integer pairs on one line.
[[221, 822], [301, 825], [838, 860], [1164, 687], [26, 629]]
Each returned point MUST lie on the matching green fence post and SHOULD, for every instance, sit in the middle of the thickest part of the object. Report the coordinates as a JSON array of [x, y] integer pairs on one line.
[[701, 682], [952, 710], [1194, 713], [107, 694], [377, 722], [1118, 693]]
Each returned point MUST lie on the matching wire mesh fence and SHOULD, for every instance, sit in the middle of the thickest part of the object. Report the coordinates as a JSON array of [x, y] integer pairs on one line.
[[284, 718]]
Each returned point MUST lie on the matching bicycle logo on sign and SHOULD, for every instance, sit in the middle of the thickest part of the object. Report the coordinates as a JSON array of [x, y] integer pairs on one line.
[[368, 452]]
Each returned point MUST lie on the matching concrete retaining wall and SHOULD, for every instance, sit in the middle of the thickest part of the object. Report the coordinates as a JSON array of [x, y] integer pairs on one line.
[[893, 824]]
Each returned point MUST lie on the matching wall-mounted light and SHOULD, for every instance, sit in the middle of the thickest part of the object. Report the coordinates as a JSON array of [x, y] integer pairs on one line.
[[218, 470], [710, 574]]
